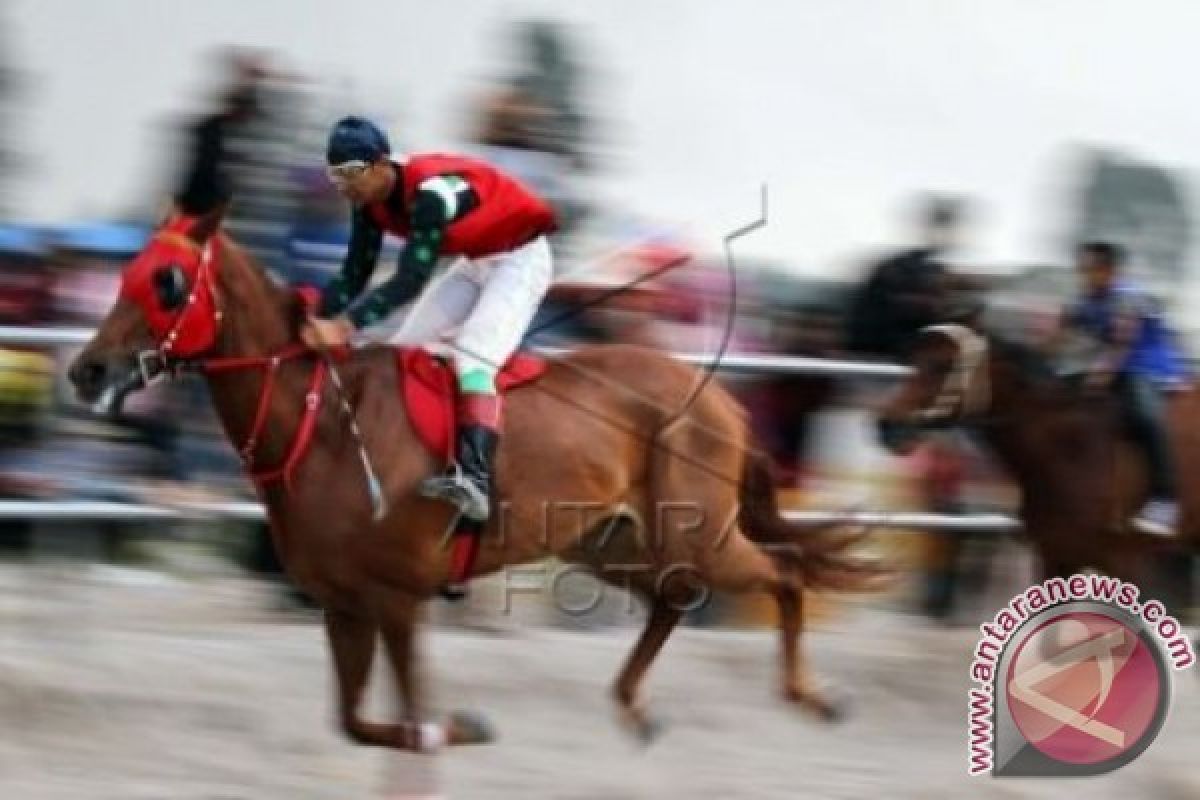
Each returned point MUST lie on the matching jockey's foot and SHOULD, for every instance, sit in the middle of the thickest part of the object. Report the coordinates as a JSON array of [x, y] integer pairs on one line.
[[457, 488], [1158, 517], [467, 484], [453, 591]]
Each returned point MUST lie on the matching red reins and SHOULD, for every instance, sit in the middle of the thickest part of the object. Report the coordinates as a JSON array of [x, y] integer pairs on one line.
[[302, 438]]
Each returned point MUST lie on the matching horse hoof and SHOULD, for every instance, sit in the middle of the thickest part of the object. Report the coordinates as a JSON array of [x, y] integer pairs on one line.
[[468, 727], [648, 731], [453, 592], [830, 708], [833, 709], [644, 728]]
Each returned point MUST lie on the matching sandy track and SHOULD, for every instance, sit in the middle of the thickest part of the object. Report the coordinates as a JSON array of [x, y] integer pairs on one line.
[[164, 689]]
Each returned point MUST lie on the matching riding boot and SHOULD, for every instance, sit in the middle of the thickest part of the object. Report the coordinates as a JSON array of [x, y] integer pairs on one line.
[[467, 483]]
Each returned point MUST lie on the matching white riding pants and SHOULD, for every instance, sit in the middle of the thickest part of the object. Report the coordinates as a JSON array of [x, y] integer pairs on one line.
[[481, 307]]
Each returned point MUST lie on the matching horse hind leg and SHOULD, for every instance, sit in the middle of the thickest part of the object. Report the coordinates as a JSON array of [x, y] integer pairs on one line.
[[632, 707], [615, 550], [688, 542], [798, 682]]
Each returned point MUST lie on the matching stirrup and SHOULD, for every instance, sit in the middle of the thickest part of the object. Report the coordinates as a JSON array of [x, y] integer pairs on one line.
[[456, 488]]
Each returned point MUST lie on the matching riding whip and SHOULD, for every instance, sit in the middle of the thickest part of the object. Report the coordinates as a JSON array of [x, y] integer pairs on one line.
[[374, 489]]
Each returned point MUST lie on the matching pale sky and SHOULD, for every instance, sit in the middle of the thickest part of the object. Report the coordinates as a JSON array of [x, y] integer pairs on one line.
[[844, 107]]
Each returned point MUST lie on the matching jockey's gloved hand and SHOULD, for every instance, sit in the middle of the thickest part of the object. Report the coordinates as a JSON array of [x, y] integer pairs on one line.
[[321, 334]]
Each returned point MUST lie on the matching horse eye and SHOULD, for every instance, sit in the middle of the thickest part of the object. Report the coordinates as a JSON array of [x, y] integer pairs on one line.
[[170, 286]]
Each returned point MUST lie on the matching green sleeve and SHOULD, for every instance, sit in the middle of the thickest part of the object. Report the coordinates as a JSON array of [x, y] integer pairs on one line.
[[427, 231], [366, 239]]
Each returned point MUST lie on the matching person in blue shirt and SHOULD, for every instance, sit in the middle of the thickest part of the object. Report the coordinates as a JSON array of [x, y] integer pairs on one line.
[[1139, 360]]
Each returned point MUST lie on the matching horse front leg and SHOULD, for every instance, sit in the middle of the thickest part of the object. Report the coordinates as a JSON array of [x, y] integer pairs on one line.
[[352, 643], [398, 622]]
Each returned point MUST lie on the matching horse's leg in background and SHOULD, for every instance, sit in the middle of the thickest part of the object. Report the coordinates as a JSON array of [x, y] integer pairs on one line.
[[398, 618], [663, 618], [799, 685]]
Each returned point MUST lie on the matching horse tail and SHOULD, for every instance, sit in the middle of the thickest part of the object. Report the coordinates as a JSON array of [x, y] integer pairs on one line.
[[821, 554]]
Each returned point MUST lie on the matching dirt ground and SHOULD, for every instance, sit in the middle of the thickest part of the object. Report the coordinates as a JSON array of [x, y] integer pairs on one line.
[[125, 685]]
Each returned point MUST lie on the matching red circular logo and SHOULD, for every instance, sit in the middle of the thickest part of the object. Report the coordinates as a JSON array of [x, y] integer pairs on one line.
[[1084, 688]]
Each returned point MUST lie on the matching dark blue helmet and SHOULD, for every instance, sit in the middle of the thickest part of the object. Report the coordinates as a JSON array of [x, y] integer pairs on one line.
[[356, 139]]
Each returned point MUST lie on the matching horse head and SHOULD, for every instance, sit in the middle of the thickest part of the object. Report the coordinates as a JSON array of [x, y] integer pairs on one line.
[[174, 305]]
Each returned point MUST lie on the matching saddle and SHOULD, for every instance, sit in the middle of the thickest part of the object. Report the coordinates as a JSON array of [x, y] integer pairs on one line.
[[429, 391]]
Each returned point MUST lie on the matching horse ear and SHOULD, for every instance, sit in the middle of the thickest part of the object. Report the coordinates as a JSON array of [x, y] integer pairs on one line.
[[207, 224]]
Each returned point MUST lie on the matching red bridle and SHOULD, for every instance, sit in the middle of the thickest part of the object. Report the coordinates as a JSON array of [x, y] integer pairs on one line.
[[191, 329], [184, 335]]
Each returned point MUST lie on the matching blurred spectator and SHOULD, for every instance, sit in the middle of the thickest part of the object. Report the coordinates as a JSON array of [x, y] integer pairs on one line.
[[207, 178], [531, 126], [26, 375], [320, 233], [244, 147]]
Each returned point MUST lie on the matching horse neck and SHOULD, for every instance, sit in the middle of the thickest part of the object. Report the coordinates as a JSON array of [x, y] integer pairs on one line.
[[256, 324], [1035, 430]]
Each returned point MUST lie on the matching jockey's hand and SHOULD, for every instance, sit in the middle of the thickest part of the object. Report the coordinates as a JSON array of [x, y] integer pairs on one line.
[[324, 333]]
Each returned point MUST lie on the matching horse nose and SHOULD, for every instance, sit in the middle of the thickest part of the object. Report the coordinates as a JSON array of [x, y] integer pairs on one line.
[[88, 376]]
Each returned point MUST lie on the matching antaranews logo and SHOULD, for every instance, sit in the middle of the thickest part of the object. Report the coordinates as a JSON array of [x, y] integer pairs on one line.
[[1074, 678]]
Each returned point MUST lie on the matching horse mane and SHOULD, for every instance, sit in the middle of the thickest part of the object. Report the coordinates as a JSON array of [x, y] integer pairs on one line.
[[287, 298]]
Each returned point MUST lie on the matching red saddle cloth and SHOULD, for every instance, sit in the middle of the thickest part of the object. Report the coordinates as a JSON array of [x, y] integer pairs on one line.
[[430, 391]]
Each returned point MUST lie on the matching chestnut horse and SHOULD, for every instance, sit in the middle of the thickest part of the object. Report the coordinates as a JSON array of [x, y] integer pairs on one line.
[[1080, 478], [605, 463]]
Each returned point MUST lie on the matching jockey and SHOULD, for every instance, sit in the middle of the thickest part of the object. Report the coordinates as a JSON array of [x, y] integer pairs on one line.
[[493, 230], [1138, 358]]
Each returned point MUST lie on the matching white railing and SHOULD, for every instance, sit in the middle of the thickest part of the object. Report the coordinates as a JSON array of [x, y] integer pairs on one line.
[[34, 337], [56, 337], [920, 520], [79, 510], [74, 510]]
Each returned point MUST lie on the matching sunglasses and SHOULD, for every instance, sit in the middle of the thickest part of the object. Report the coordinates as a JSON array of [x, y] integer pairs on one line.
[[340, 174]]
